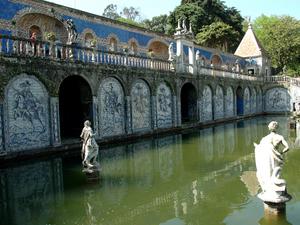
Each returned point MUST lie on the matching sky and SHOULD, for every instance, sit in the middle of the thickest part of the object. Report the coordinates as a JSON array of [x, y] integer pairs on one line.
[[150, 8]]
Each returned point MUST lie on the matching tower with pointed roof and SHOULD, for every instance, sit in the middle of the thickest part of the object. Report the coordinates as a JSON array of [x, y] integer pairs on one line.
[[251, 49]]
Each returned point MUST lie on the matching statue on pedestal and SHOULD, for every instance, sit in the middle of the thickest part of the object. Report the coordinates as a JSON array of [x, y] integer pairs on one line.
[[269, 161], [90, 149], [72, 36]]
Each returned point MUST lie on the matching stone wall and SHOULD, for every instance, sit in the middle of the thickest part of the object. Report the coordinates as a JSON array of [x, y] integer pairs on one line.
[[277, 100], [125, 100]]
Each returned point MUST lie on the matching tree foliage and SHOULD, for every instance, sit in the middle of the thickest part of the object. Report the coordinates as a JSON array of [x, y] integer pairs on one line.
[[157, 24], [128, 13], [111, 11], [217, 35], [205, 12], [280, 36], [131, 13]]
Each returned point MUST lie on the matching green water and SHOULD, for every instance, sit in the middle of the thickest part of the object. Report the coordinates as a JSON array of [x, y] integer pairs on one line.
[[201, 177]]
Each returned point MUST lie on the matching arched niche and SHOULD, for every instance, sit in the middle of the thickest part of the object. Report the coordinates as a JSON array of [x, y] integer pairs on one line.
[[164, 105], [75, 105], [207, 103], [188, 98], [45, 23], [239, 101], [219, 103], [140, 106], [111, 108], [158, 49], [26, 114]]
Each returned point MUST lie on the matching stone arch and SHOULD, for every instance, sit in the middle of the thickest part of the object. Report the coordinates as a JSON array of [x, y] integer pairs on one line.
[[277, 99], [253, 101], [158, 48], [89, 37], [219, 103], [164, 106], [216, 60], [113, 42], [207, 103], [229, 102], [45, 21], [188, 102], [247, 101], [111, 108], [26, 114], [239, 101], [75, 105], [140, 105]]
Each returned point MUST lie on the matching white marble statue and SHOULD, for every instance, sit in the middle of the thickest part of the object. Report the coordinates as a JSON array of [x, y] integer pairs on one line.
[[269, 161], [90, 149], [171, 51], [72, 32]]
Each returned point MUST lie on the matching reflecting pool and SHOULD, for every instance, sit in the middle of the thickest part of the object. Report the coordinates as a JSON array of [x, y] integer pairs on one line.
[[203, 176]]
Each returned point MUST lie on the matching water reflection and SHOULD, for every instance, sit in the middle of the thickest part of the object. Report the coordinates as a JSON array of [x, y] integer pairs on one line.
[[30, 193], [205, 177]]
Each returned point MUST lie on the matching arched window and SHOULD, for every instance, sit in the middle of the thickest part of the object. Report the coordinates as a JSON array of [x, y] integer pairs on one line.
[[133, 48], [159, 50], [216, 61], [89, 40], [113, 44]]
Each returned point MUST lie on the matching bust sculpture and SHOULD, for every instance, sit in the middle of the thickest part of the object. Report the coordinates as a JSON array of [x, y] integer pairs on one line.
[[90, 149], [269, 161]]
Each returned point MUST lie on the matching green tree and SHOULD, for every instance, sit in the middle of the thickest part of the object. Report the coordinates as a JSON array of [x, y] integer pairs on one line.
[[130, 13], [111, 11], [217, 35], [157, 24], [280, 36], [205, 12], [191, 12]]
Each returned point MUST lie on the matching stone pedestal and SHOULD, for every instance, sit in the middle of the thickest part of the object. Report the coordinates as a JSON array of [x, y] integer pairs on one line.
[[272, 209], [92, 176]]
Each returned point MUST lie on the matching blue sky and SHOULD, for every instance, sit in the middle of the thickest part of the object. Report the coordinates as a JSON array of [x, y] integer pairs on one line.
[[150, 8]]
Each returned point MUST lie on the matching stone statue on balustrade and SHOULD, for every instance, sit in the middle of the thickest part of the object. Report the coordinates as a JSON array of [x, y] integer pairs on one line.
[[90, 149], [269, 161], [172, 57], [72, 36], [72, 32]]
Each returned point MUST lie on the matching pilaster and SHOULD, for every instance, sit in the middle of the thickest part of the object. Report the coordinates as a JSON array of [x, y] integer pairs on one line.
[[128, 115], [96, 125], [55, 121], [154, 113], [1, 130]]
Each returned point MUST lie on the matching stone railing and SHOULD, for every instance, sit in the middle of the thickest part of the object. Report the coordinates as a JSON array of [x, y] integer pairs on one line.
[[219, 72], [57, 51], [10, 45], [282, 79]]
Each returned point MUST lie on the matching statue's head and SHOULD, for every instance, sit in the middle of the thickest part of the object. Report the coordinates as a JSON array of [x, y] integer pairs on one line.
[[273, 126], [87, 123]]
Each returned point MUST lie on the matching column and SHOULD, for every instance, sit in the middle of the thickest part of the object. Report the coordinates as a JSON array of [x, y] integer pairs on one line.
[[128, 115], [175, 113], [96, 125], [1, 130], [154, 113], [55, 122]]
